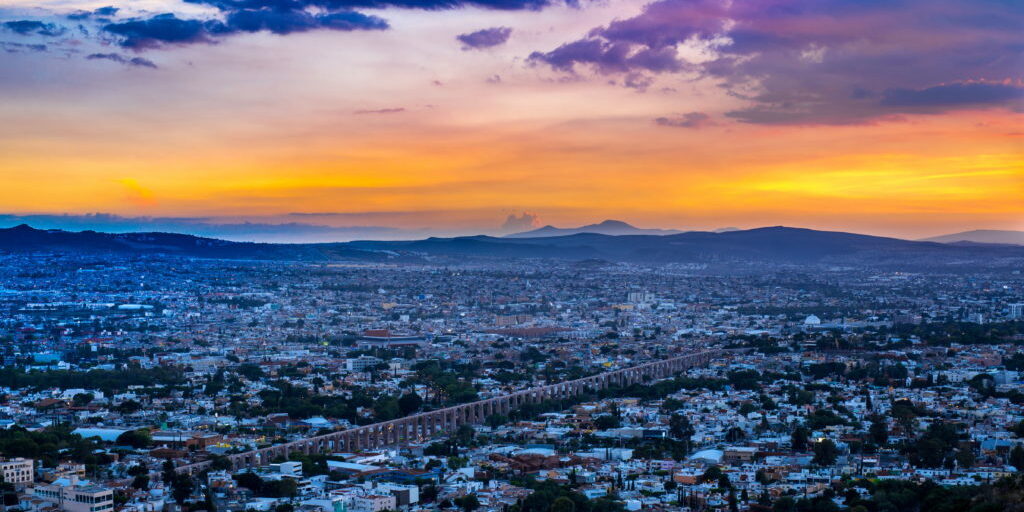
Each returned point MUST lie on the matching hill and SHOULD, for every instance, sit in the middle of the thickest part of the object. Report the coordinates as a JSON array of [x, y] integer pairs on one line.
[[982, 236], [767, 246], [608, 227]]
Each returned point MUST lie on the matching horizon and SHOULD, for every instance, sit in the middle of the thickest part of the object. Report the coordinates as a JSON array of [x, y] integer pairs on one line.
[[478, 116], [312, 234]]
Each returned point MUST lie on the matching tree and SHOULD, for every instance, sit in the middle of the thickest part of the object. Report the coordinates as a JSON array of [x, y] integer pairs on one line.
[[711, 474], [221, 463], [1017, 458], [464, 434], [283, 488], [429, 493], [825, 453], [140, 438], [879, 430], [798, 440], [1018, 430], [128, 407], [735, 434], [965, 457], [496, 420], [82, 399], [167, 474], [784, 504], [563, 504], [606, 422], [409, 403], [469, 502], [141, 482], [250, 481], [679, 427], [724, 482], [183, 487]]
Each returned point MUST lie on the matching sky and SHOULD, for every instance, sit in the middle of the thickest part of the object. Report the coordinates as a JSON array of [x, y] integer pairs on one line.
[[294, 120]]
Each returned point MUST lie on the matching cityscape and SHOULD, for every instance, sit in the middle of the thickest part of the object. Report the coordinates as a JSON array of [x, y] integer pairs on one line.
[[148, 381], [511, 256]]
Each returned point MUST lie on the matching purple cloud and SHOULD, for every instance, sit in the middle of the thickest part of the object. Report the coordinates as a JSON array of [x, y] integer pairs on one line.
[[486, 38], [287, 22], [393, 110], [11, 47], [694, 120], [34, 27], [166, 28], [954, 95], [818, 61], [120, 59], [429, 5]]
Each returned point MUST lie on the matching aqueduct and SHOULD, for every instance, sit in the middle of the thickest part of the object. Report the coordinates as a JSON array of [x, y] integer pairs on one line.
[[425, 425]]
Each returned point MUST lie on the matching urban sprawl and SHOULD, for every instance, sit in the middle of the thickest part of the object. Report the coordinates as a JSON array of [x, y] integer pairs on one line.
[[159, 383]]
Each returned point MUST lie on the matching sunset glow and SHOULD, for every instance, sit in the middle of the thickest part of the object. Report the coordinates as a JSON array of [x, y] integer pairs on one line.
[[901, 120]]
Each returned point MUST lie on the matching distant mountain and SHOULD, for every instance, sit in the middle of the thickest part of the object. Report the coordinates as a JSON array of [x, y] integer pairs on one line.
[[24, 238], [771, 245], [982, 236], [763, 246], [608, 227]]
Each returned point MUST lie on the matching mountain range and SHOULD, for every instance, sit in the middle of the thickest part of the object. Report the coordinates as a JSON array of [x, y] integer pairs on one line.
[[982, 236], [608, 227], [770, 245]]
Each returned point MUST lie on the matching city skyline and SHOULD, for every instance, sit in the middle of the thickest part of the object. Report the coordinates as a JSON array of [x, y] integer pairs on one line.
[[897, 119]]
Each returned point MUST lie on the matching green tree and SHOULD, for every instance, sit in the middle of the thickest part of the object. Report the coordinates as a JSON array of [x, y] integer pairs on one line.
[[182, 488], [141, 482], [735, 434], [825, 453], [469, 502], [464, 434], [798, 439], [879, 430], [409, 403], [1017, 458], [140, 438], [82, 399], [965, 457], [563, 504]]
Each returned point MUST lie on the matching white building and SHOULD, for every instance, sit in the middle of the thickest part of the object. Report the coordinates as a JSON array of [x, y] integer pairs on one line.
[[374, 503], [18, 471], [74, 495]]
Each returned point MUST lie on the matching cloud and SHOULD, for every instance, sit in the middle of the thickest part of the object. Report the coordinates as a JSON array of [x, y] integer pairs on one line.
[[102, 12], [429, 5], [290, 16], [954, 95], [815, 61], [393, 110], [11, 47], [120, 59], [522, 222], [167, 28], [689, 120], [287, 22], [486, 38], [164, 29], [34, 27], [280, 17]]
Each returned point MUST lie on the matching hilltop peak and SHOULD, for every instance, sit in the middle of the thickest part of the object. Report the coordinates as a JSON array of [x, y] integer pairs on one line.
[[606, 227]]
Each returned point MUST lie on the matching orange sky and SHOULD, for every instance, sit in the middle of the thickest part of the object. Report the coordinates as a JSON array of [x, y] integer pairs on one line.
[[260, 125]]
